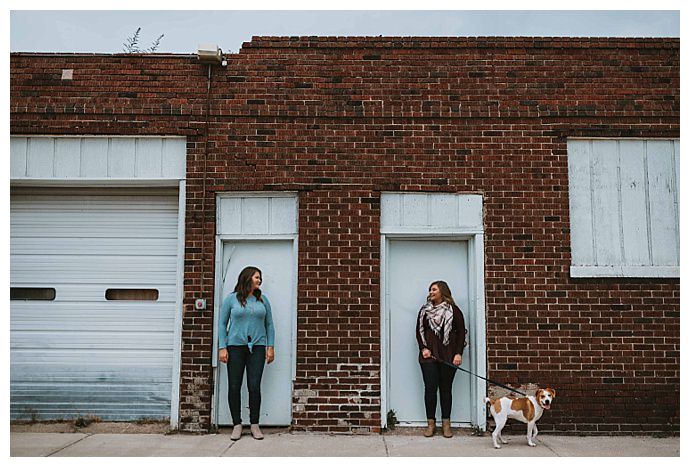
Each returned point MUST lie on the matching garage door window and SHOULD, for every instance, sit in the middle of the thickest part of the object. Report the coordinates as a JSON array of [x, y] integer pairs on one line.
[[32, 293], [132, 294]]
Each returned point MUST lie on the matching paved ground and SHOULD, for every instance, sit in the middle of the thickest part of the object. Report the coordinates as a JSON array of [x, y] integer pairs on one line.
[[280, 443]]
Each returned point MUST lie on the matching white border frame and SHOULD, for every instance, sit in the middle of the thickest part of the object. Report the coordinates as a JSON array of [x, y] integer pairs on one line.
[[179, 306], [218, 284], [477, 301]]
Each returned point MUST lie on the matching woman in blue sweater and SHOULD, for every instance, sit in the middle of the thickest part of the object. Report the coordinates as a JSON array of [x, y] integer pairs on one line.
[[247, 342]]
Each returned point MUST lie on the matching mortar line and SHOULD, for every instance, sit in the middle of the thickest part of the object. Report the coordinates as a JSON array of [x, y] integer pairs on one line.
[[88, 435]]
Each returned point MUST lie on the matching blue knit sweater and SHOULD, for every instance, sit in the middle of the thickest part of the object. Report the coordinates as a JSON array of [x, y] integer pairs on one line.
[[249, 325]]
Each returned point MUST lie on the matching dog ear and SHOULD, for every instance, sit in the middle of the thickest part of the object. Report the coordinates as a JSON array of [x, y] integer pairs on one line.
[[538, 393], [553, 392]]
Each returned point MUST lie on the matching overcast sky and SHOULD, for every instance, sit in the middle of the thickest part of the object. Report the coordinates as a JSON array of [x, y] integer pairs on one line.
[[105, 31]]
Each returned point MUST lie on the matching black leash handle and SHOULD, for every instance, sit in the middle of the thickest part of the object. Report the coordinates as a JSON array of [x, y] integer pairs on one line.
[[477, 376]]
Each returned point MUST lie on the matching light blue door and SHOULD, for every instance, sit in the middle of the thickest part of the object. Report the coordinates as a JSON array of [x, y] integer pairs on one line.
[[412, 266], [275, 259]]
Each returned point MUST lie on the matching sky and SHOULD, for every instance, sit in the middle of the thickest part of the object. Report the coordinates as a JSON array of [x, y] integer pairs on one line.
[[105, 31]]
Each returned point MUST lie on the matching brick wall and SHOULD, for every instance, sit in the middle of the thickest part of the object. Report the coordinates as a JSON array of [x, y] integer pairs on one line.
[[341, 119]]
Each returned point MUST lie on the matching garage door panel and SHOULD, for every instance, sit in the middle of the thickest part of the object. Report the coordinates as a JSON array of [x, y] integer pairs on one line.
[[57, 339], [95, 269], [78, 293], [47, 391], [81, 353], [103, 358], [105, 246]]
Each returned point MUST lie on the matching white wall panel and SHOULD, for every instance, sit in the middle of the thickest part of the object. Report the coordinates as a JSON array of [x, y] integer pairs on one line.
[[18, 150], [256, 214], [623, 208], [449, 212], [415, 209], [122, 158], [660, 168], [604, 163], [84, 158], [579, 177], [283, 219], [67, 157], [444, 210], [39, 158], [149, 158], [94, 157], [633, 203]]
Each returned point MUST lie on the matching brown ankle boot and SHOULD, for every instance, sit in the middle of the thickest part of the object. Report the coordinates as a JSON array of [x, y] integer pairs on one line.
[[446, 428], [431, 427]]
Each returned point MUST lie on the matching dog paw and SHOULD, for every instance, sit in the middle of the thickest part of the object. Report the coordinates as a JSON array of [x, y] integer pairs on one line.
[[497, 446], [531, 443]]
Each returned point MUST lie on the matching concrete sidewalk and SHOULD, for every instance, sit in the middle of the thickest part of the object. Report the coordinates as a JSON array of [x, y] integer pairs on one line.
[[300, 444]]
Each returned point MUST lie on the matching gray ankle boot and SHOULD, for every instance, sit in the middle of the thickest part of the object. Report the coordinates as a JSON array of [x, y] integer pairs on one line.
[[256, 432], [236, 432]]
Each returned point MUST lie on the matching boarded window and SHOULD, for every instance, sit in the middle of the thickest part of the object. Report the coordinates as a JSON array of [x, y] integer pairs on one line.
[[624, 207], [132, 294], [32, 293]]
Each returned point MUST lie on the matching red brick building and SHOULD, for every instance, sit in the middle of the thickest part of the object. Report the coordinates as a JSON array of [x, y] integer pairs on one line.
[[338, 124]]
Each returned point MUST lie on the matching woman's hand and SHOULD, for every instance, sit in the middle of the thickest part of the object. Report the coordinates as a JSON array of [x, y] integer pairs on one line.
[[426, 353], [223, 355], [270, 355], [457, 360]]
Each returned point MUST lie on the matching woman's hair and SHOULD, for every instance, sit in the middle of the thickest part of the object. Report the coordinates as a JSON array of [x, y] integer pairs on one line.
[[244, 284], [445, 291]]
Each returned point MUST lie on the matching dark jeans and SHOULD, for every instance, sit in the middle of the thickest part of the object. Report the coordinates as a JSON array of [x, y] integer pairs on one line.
[[240, 358], [438, 377]]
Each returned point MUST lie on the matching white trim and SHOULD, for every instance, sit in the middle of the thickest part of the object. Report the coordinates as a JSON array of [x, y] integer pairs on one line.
[[478, 389], [23, 135], [177, 337], [385, 331], [587, 138], [96, 182], [217, 299], [256, 194], [625, 271], [226, 237], [416, 231]]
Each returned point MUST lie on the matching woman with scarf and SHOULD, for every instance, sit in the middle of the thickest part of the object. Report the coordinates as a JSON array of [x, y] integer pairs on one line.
[[441, 338]]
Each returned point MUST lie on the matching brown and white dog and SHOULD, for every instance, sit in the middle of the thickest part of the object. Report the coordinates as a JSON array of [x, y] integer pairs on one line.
[[526, 409]]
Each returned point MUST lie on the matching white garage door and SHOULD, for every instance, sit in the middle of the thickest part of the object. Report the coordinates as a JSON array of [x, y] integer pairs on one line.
[[93, 282], [412, 266]]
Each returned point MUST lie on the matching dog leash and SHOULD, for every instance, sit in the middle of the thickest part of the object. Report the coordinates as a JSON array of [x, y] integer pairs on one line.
[[477, 376]]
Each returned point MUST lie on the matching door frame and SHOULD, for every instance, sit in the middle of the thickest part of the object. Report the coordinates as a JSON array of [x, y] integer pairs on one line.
[[218, 291], [477, 331]]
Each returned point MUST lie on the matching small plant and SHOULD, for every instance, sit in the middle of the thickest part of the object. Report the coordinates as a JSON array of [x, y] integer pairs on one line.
[[83, 422], [131, 44], [391, 419]]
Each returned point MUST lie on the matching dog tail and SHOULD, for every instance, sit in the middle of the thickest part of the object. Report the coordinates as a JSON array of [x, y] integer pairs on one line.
[[487, 400]]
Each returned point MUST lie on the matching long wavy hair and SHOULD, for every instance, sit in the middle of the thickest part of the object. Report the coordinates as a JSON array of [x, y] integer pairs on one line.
[[244, 284], [445, 291]]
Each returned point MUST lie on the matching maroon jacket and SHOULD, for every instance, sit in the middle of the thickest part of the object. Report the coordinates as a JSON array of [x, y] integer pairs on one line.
[[456, 341]]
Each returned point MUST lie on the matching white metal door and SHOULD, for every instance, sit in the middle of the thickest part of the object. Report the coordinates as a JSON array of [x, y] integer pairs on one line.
[[275, 259], [83, 353], [412, 266]]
